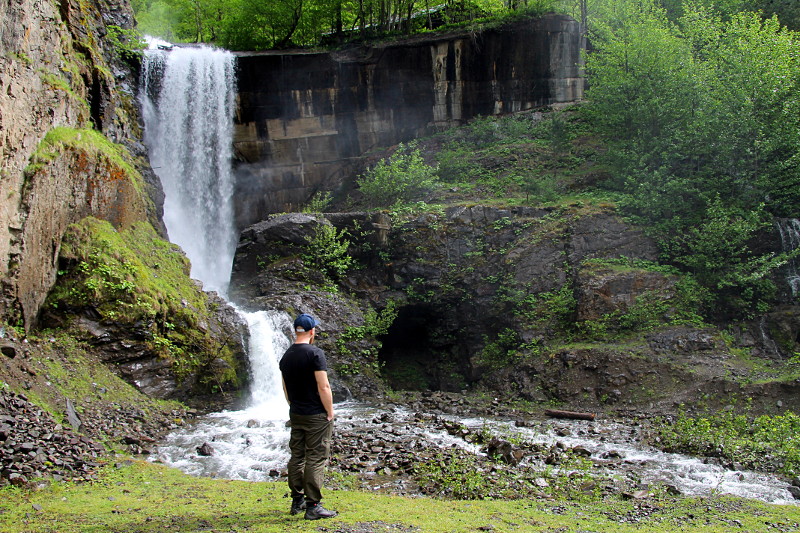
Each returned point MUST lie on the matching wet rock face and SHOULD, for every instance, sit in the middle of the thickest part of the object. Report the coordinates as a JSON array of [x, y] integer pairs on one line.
[[605, 291], [451, 275], [60, 72], [303, 116]]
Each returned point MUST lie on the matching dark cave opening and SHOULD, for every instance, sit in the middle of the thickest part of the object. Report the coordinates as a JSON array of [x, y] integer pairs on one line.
[[420, 352]]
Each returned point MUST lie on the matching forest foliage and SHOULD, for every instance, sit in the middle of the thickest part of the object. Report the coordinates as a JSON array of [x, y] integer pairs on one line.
[[265, 24], [276, 24], [700, 109]]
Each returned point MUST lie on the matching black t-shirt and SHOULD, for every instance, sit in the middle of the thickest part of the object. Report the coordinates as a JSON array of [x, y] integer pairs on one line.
[[298, 365]]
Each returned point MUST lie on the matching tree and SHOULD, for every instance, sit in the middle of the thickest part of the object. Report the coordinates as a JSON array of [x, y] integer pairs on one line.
[[704, 109], [717, 252]]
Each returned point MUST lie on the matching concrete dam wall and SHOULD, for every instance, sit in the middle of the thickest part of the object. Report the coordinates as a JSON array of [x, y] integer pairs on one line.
[[303, 117]]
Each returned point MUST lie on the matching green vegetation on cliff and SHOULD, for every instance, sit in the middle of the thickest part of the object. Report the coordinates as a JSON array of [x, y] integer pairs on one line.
[[136, 279], [90, 142]]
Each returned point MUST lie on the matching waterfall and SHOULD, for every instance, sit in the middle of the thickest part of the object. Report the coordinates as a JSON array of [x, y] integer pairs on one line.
[[187, 99], [265, 339], [789, 230]]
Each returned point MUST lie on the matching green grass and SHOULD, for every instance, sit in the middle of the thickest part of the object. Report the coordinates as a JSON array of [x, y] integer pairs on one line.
[[144, 497]]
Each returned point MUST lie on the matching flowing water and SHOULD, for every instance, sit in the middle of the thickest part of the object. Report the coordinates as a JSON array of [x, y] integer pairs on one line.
[[789, 230], [188, 97], [187, 102]]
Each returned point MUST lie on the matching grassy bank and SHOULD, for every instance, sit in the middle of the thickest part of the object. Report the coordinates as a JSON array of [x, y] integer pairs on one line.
[[138, 497]]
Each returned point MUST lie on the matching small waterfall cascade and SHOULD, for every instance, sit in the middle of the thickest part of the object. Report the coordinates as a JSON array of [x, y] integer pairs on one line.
[[789, 230], [266, 390], [187, 99]]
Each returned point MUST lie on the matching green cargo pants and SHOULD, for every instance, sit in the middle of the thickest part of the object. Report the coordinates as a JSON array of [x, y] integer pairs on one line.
[[310, 445]]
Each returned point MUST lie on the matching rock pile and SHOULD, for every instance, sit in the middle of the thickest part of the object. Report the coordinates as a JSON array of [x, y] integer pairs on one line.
[[33, 445]]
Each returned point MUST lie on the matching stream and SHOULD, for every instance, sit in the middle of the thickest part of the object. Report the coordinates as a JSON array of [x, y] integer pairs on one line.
[[252, 444]]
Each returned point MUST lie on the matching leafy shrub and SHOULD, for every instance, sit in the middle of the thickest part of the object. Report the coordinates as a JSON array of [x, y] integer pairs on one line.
[[327, 251], [505, 349], [717, 253], [400, 179], [766, 443], [318, 203], [454, 475]]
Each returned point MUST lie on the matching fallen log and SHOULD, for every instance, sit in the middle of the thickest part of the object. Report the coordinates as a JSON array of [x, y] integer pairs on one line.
[[569, 414]]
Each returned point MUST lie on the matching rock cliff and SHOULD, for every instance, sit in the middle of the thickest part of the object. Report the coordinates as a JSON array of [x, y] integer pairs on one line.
[[560, 304], [61, 84], [72, 162], [304, 118]]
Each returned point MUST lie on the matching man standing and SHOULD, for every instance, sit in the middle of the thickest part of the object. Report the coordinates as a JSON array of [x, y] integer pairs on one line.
[[306, 386]]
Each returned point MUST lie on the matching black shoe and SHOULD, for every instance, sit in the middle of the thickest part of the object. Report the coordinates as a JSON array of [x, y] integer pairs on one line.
[[298, 505], [316, 511]]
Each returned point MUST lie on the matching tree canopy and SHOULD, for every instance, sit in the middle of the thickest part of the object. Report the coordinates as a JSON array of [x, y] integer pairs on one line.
[[262, 24], [702, 116]]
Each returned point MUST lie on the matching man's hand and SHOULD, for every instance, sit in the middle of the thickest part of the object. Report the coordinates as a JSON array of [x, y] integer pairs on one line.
[[325, 393]]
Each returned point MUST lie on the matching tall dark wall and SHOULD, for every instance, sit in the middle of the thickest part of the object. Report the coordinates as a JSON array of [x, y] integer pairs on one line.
[[304, 117]]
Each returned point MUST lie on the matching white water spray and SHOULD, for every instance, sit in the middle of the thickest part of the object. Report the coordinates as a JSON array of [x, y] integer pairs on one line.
[[188, 97], [789, 229], [265, 339]]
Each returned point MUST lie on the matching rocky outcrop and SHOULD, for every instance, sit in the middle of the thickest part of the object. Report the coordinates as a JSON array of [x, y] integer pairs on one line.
[[133, 353], [305, 117], [458, 280], [59, 74], [129, 295], [524, 302]]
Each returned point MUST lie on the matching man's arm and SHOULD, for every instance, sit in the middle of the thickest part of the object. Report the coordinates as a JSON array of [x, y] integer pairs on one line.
[[325, 393], [285, 392]]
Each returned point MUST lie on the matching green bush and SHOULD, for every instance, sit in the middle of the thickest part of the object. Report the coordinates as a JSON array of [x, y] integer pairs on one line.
[[398, 180], [765, 443], [506, 349], [717, 252], [327, 251]]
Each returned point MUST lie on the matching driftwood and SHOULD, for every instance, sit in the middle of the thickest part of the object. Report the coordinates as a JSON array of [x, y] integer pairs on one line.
[[569, 414]]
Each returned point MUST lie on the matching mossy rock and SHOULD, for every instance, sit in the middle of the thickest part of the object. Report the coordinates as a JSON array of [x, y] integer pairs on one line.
[[137, 285]]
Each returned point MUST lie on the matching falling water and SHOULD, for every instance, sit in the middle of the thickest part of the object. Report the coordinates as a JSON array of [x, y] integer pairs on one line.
[[188, 99], [188, 103], [249, 443], [789, 229]]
